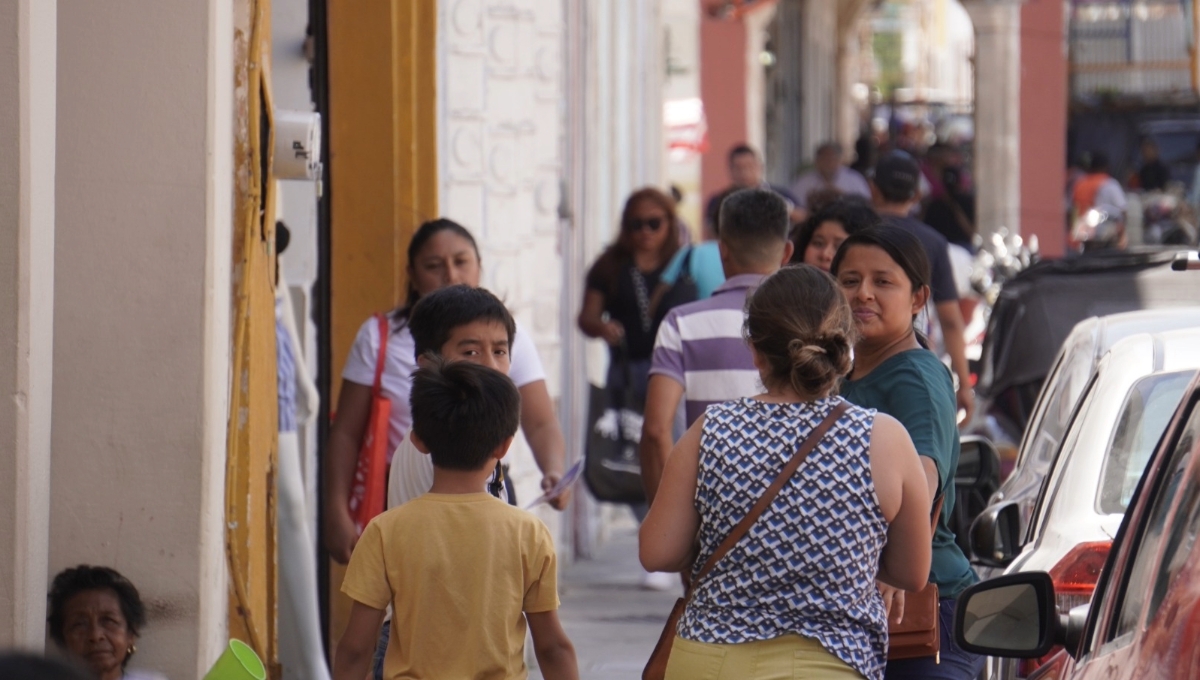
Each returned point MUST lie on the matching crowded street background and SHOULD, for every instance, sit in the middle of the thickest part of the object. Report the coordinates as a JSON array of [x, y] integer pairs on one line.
[[600, 339]]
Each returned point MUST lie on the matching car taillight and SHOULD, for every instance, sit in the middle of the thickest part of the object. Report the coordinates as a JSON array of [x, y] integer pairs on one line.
[[1075, 578], [1076, 574]]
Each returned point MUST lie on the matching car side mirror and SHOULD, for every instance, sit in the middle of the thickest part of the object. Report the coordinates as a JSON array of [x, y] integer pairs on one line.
[[1012, 616], [996, 535], [978, 464], [1073, 625]]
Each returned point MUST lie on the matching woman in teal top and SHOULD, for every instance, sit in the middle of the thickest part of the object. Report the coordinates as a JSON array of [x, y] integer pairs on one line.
[[884, 273]]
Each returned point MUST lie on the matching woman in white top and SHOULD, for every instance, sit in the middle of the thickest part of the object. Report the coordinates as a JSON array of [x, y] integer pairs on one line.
[[442, 253]]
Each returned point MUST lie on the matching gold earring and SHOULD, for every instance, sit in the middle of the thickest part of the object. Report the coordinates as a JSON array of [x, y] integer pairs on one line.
[[131, 651]]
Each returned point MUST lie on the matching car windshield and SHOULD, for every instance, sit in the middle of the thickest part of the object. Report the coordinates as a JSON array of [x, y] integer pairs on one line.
[[1144, 416]]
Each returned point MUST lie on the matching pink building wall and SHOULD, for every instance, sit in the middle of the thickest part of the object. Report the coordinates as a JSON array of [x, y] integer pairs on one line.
[[723, 89], [1043, 124]]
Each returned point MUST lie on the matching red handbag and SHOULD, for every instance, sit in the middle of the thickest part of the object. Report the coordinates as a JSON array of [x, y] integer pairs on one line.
[[369, 490]]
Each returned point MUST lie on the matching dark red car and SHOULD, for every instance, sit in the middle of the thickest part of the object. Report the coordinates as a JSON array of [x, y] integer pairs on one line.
[[1144, 621]]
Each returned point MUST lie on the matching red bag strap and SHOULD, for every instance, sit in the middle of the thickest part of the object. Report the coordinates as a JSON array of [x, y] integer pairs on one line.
[[818, 433], [382, 360]]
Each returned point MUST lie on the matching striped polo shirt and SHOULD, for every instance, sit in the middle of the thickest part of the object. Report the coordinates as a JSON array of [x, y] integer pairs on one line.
[[700, 346]]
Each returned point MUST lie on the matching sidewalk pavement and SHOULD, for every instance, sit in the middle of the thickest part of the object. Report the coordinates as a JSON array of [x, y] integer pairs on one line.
[[612, 621]]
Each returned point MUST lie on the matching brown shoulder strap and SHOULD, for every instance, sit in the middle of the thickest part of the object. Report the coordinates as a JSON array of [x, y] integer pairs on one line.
[[772, 491], [937, 511]]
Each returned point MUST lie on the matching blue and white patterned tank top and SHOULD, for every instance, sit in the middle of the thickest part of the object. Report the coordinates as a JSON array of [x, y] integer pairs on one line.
[[808, 565]]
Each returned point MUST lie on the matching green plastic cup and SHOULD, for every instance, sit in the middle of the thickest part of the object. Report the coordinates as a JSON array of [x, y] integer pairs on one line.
[[237, 662]]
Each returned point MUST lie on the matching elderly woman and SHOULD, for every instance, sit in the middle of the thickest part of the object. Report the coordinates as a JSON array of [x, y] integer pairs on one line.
[[96, 615]]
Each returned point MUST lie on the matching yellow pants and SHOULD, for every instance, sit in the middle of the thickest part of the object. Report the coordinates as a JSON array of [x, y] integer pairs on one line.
[[790, 657]]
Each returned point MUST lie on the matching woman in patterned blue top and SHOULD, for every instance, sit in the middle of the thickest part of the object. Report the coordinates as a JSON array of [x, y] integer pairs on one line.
[[796, 597]]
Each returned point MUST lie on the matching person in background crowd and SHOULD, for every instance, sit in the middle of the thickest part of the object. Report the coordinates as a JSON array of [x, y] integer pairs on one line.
[[96, 615], [1099, 190], [22, 666], [685, 232], [616, 305], [300, 645], [1154, 173], [700, 262], [700, 356], [866, 150], [1194, 190], [746, 172], [884, 273], [935, 161], [829, 173], [792, 599], [953, 213], [894, 188], [441, 253], [819, 237]]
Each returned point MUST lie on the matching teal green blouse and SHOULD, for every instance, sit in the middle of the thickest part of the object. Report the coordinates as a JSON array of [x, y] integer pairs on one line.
[[915, 388]]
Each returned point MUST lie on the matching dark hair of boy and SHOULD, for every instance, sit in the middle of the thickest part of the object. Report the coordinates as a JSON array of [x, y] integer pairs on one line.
[[435, 316], [753, 222], [463, 412]]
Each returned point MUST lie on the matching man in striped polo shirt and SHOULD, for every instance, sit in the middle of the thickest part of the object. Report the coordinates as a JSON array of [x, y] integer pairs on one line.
[[699, 354]]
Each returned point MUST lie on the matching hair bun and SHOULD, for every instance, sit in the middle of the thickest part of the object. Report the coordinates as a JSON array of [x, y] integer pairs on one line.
[[799, 349]]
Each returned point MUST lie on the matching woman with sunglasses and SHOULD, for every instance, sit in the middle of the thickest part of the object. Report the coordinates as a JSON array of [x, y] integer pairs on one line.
[[616, 302]]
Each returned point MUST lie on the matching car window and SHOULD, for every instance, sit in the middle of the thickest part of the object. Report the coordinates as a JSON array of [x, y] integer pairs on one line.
[[1065, 390], [1051, 481], [1181, 537], [1142, 576], [1145, 414]]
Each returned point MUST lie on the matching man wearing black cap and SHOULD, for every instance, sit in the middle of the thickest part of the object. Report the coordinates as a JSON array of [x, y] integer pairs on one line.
[[894, 191]]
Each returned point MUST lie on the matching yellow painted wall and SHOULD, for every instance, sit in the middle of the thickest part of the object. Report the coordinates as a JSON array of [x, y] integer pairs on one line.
[[253, 415], [383, 158]]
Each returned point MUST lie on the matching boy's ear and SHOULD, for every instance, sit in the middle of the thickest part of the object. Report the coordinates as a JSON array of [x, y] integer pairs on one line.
[[418, 442], [423, 360], [502, 450]]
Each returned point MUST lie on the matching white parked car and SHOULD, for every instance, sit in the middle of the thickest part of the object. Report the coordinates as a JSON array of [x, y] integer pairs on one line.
[[1122, 413], [1073, 368]]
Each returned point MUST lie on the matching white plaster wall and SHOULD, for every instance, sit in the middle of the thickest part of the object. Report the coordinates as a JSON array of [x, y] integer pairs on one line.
[[500, 117], [27, 76], [502, 100], [681, 80], [142, 290]]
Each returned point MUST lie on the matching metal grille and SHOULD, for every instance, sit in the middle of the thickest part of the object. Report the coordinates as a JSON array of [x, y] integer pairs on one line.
[[1129, 47]]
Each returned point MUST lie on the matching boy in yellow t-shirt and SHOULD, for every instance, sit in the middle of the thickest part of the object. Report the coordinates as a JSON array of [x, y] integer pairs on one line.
[[464, 572]]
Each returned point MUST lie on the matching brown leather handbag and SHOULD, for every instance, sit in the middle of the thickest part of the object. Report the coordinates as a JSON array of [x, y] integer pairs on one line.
[[918, 635], [656, 667]]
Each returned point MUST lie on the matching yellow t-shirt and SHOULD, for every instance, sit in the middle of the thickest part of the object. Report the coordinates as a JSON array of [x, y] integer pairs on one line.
[[459, 570]]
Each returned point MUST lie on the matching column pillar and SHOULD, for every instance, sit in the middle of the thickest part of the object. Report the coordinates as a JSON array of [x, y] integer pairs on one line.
[[819, 76], [27, 76], [144, 188], [997, 113], [1043, 124]]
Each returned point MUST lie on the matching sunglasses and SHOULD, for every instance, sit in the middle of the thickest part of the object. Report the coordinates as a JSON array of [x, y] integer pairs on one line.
[[653, 224]]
